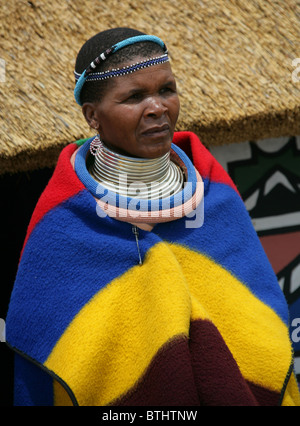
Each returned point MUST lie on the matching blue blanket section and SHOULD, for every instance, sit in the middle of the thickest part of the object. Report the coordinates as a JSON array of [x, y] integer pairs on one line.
[[72, 254], [40, 393]]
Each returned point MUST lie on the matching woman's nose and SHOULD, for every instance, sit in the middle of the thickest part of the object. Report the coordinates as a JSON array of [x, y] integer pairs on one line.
[[155, 107]]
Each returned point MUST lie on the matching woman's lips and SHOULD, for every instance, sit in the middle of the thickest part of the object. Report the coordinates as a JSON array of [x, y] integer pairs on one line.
[[157, 131]]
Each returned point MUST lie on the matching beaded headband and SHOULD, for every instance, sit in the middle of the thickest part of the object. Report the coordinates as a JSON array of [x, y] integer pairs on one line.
[[89, 75]]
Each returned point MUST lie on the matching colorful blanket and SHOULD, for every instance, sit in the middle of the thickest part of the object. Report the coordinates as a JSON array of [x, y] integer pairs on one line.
[[202, 321]]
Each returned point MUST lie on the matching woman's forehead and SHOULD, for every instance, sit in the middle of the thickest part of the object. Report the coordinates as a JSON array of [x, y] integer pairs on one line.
[[146, 77]]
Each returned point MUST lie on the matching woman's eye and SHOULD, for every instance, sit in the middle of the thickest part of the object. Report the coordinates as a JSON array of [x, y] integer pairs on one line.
[[167, 90], [135, 97]]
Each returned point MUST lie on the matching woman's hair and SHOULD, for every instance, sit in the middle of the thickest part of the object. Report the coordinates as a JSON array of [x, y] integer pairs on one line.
[[92, 91]]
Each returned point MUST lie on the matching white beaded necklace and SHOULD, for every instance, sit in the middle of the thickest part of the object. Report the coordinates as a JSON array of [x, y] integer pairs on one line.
[[135, 177]]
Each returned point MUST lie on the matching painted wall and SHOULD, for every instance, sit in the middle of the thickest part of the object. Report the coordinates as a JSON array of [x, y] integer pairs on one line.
[[267, 174]]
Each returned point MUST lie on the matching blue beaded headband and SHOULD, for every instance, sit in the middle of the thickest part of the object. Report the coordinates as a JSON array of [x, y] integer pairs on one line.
[[88, 74]]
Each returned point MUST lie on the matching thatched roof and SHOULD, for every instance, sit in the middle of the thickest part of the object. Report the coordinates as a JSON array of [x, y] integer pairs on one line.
[[232, 60]]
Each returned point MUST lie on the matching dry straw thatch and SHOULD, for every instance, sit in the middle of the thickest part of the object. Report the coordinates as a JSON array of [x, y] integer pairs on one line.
[[232, 60]]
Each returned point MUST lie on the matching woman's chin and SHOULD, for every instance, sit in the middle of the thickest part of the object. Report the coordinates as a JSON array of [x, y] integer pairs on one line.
[[155, 147]]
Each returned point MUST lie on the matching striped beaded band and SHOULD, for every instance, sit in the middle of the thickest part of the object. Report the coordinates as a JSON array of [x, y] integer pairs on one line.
[[89, 75], [126, 70]]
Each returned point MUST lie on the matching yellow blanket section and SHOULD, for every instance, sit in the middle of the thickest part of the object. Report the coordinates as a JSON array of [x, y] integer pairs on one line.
[[113, 339], [254, 333], [124, 325], [292, 395]]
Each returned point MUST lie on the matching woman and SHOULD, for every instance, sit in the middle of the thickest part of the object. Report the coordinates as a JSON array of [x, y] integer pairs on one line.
[[142, 281]]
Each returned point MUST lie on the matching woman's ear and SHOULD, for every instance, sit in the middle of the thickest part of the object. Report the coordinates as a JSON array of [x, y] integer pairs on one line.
[[89, 112]]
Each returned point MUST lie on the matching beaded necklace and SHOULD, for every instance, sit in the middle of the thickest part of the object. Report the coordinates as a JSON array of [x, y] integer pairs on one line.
[[135, 177], [136, 209]]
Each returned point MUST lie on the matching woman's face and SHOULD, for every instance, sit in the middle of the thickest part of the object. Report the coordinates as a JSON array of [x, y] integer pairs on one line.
[[138, 113]]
